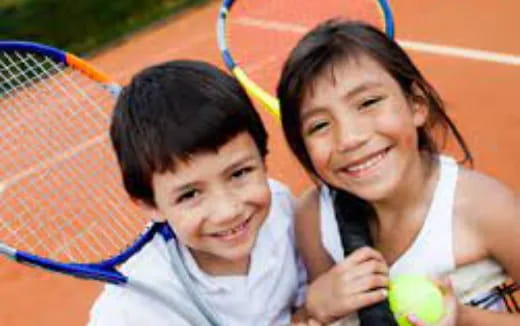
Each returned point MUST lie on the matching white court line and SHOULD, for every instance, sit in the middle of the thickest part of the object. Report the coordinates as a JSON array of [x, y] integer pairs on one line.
[[502, 58], [451, 51]]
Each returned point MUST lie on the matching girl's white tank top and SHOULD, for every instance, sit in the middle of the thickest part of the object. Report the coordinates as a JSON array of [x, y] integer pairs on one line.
[[431, 253]]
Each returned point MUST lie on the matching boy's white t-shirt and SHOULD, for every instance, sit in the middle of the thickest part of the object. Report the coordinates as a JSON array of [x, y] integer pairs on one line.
[[274, 285]]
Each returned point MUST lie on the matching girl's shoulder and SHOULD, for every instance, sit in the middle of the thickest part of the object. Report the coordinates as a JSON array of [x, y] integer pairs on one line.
[[308, 200], [482, 198], [308, 233], [489, 211], [307, 210]]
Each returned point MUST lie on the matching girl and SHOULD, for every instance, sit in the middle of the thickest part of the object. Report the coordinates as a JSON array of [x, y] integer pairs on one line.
[[361, 119]]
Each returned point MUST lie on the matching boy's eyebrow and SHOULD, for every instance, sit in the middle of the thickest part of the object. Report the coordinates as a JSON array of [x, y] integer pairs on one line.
[[182, 187], [241, 161], [350, 94], [190, 184]]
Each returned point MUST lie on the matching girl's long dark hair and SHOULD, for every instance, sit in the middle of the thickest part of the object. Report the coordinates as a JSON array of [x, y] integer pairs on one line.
[[331, 43]]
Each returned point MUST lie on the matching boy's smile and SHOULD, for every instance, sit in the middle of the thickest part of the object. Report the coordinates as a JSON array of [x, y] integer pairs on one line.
[[216, 201]]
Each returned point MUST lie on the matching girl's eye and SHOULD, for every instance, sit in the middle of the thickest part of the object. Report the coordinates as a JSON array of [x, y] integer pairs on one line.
[[317, 126], [187, 195], [240, 173], [370, 102]]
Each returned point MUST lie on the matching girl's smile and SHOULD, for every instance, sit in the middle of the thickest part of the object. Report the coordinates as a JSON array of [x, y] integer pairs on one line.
[[360, 130], [365, 166]]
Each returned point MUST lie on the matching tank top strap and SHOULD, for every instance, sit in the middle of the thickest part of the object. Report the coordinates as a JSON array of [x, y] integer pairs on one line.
[[432, 250]]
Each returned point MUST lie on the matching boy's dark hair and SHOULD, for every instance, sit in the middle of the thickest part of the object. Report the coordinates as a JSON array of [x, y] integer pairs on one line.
[[335, 42], [173, 110]]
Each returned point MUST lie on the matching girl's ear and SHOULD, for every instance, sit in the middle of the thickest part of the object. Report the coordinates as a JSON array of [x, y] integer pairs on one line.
[[419, 106]]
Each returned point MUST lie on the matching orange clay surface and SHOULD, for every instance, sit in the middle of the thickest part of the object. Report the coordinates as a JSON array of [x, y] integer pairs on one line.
[[481, 96]]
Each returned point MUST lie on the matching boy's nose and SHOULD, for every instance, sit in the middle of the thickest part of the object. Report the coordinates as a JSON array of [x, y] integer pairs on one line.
[[225, 208]]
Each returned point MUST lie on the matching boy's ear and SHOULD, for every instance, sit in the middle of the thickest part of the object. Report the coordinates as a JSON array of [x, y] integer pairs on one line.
[[143, 205], [150, 210], [419, 106]]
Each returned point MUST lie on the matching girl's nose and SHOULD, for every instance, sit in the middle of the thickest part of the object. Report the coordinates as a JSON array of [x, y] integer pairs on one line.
[[351, 134]]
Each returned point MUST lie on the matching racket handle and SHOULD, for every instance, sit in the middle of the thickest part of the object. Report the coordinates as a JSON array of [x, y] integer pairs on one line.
[[352, 216], [377, 315]]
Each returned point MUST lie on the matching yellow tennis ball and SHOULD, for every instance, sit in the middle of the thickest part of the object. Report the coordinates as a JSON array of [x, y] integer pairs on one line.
[[418, 295]]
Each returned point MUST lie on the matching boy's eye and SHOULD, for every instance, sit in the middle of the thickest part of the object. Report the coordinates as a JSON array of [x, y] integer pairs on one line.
[[242, 172], [187, 195], [370, 102], [315, 127]]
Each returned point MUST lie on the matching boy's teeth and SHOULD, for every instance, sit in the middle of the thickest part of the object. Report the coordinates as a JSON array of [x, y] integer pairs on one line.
[[367, 164], [233, 230]]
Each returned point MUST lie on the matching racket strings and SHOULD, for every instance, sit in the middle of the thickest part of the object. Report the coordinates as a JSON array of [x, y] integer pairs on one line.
[[61, 199], [40, 94]]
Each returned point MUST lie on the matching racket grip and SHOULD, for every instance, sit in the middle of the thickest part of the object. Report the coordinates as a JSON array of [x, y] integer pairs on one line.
[[378, 314], [352, 215]]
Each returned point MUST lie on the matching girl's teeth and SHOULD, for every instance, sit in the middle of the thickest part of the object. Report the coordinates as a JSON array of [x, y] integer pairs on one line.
[[367, 164]]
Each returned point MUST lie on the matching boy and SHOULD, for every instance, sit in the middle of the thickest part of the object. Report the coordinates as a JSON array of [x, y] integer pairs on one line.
[[192, 148]]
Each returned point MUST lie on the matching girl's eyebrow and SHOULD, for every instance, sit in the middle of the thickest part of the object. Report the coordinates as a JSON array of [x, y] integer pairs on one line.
[[362, 88]]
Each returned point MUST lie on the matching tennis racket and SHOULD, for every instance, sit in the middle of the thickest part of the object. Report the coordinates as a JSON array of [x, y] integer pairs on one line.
[[255, 37], [62, 205]]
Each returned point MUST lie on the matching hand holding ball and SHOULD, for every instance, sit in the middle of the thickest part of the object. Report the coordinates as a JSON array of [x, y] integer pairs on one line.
[[417, 295]]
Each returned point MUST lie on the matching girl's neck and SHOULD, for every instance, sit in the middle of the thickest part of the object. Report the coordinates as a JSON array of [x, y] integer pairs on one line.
[[412, 195]]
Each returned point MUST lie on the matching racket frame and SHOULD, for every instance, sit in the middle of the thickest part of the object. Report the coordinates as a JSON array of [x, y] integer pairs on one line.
[[270, 102]]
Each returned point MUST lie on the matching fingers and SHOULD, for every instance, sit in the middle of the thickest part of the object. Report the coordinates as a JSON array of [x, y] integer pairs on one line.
[[358, 281], [361, 255], [310, 322], [365, 299], [412, 319], [366, 282], [445, 286], [362, 262]]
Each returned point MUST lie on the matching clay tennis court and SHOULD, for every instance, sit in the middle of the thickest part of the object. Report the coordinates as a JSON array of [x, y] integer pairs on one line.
[[468, 49]]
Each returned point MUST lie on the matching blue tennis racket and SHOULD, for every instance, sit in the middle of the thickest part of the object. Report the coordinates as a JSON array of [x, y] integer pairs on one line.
[[62, 205]]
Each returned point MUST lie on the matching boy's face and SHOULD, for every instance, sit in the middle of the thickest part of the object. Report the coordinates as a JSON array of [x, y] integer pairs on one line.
[[216, 202]]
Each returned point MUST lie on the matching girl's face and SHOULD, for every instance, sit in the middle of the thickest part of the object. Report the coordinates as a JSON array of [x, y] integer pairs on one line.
[[360, 130]]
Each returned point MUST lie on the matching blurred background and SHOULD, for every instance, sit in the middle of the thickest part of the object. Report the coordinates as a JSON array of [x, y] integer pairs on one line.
[[453, 42]]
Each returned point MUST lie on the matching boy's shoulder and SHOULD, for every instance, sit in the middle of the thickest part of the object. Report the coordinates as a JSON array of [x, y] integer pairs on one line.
[[120, 305], [279, 223], [282, 200], [278, 187]]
